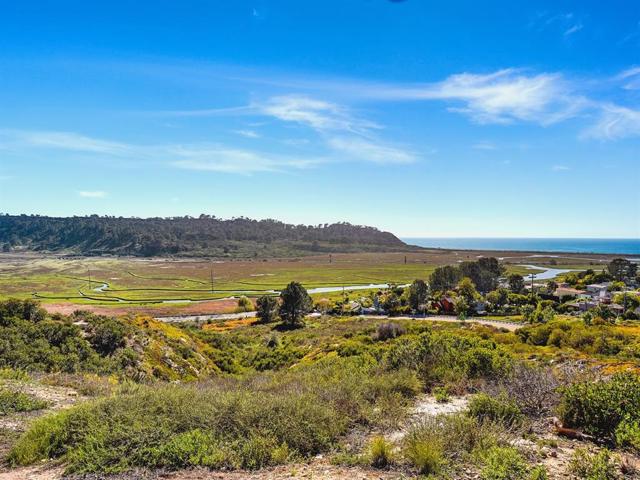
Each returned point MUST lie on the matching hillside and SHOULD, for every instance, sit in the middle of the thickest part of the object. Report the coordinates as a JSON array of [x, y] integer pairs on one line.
[[187, 236]]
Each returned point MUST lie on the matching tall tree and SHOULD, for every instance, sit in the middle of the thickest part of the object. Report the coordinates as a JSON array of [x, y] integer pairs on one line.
[[418, 294], [444, 278], [516, 283], [467, 290], [621, 269], [484, 273], [267, 309], [296, 303]]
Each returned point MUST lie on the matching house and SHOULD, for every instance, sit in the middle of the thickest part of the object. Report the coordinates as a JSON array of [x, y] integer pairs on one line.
[[583, 306], [447, 305], [480, 308], [599, 291], [566, 291]]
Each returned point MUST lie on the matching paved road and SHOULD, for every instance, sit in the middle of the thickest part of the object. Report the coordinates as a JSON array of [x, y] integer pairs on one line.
[[432, 318]]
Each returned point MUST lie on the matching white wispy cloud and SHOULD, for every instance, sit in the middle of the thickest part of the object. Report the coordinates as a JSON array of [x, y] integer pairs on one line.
[[363, 149], [559, 168], [318, 114], [504, 96], [614, 122], [66, 141], [230, 160], [196, 156], [484, 146], [573, 29], [92, 193], [248, 133], [630, 78]]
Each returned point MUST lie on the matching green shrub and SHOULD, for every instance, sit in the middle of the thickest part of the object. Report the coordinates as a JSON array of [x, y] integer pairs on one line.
[[244, 304], [13, 402], [599, 407], [106, 334], [538, 473], [628, 434], [441, 395], [425, 455], [503, 463], [499, 409], [261, 421], [450, 440], [14, 374], [599, 466], [445, 356], [380, 452]]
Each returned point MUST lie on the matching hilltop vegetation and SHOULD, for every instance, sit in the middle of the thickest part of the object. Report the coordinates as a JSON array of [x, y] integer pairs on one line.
[[250, 394], [187, 236]]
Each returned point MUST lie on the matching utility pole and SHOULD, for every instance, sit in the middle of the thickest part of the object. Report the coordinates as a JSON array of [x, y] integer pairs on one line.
[[405, 259], [211, 275], [532, 277], [330, 258]]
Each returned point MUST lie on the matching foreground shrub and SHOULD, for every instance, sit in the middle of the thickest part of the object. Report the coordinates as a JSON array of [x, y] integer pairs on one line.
[[14, 402], [628, 434], [447, 357], [599, 466], [425, 455], [262, 421], [599, 407], [531, 387], [441, 394], [499, 409], [449, 440], [380, 452], [504, 463], [387, 331]]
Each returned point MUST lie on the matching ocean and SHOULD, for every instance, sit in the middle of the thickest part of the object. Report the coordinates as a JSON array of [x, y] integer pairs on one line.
[[622, 246]]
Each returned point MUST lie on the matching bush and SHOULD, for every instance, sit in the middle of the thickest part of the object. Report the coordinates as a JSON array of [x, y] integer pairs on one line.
[[441, 395], [503, 463], [390, 330], [628, 434], [538, 473], [106, 335], [444, 356], [231, 424], [599, 466], [500, 409], [14, 402], [244, 304], [598, 408], [425, 454], [380, 452], [436, 441], [533, 388]]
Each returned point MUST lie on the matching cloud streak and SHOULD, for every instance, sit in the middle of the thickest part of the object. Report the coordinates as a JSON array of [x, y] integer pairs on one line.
[[92, 194], [614, 123]]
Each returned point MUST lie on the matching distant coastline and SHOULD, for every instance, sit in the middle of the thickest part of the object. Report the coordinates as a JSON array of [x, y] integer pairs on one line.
[[616, 246]]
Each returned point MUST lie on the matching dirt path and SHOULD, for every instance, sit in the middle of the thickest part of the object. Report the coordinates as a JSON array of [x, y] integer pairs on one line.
[[434, 318]]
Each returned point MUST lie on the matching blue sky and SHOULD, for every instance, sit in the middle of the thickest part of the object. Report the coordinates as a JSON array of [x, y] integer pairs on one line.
[[456, 118]]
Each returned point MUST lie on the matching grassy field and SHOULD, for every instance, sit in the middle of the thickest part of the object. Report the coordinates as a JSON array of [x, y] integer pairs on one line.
[[123, 282]]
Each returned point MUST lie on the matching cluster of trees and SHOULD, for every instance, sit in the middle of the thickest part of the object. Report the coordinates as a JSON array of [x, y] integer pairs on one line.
[[291, 307], [205, 234], [481, 286], [484, 274]]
